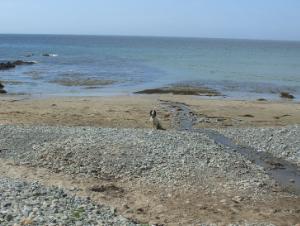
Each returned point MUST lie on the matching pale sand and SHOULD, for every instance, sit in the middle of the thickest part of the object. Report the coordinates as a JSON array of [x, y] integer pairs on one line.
[[133, 111]]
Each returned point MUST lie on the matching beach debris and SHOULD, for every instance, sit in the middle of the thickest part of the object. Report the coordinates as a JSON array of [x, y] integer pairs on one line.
[[237, 199], [286, 95], [248, 116], [281, 116], [111, 189]]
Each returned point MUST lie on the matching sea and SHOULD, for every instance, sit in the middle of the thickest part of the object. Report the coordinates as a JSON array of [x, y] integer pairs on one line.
[[73, 65]]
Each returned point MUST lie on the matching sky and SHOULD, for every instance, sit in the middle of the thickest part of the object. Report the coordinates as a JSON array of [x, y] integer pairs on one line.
[[250, 19]]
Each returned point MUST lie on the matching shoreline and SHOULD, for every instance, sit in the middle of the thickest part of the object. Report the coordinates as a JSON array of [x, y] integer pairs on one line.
[[204, 93]]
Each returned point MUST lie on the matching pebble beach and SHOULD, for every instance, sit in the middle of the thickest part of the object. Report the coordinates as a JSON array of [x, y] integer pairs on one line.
[[107, 174]]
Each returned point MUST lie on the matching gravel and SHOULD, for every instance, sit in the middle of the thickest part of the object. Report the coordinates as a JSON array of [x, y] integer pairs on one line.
[[169, 158], [23, 203], [281, 142]]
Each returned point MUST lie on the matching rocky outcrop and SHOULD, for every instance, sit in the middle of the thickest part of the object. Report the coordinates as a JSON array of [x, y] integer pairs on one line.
[[182, 90], [6, 66], [2, 88], [50, 55], [286, 95], [21, 62], [13, 64]]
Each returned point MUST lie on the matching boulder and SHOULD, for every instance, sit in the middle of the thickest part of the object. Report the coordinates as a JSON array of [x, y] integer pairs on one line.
[[2, 88], [286, 95], [6, 66], [9, 64], [21, 62], [49, 55]]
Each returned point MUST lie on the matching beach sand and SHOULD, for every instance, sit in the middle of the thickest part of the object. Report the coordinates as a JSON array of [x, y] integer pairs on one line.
[[133, 111]]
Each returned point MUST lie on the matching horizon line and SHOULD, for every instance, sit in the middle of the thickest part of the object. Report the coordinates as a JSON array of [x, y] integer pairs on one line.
[[155, 36]]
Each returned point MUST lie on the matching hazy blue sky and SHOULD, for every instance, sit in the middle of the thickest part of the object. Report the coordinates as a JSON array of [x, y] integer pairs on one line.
[[258, 19]]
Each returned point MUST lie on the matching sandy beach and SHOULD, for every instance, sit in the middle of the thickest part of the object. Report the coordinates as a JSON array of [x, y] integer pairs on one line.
[[133, 111], [104, 148]]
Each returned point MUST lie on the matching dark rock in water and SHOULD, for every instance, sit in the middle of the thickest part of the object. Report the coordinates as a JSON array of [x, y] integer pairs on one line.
[[2, 88], [21, 62], [49, 55], [89, 82], [9, 65], [182, 90], [261, 99], [286, 95], [6, 66]]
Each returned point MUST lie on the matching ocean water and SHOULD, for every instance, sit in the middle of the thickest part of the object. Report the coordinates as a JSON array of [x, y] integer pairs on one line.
[[109, 65]]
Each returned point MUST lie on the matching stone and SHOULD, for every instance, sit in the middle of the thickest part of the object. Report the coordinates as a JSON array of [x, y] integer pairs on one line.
[[9, 65], [6, 66], [286, 95], [237, 199], [21, 62]]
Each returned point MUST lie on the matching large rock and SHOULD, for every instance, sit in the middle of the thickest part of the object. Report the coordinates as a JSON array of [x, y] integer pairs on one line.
[[21, 62], [6, 66], [2, 88], [286, 95], [9, 65], [50, 55]]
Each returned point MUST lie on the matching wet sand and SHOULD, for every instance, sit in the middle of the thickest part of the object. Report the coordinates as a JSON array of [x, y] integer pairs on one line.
[[133, 111]]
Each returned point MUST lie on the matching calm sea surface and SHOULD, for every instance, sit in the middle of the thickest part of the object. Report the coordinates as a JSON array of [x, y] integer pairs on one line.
[[105, 65]]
